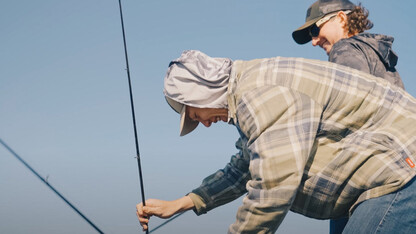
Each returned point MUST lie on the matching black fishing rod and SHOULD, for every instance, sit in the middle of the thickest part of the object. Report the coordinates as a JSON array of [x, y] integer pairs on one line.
[[50, 186], [132, 109]]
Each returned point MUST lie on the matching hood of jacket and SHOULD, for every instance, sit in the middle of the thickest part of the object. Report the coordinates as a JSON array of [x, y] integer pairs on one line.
[[382, 45]]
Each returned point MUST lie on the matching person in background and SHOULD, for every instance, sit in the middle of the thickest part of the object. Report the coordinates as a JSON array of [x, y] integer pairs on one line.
[[338, 26], [317, 138]]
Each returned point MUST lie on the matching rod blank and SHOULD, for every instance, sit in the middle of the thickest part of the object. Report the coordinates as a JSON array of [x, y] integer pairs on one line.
[[49, 185]]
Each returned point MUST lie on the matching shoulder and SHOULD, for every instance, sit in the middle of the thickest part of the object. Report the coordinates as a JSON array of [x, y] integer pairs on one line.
[[345, 47], [346, 50], [363, 46], [259, 108], [352, 52], [349, 45]]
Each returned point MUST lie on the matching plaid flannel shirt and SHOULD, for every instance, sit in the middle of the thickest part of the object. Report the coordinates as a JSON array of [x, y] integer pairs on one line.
[[317, 138]]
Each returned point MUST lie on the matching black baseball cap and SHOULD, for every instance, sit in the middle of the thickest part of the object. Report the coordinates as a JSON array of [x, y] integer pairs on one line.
[[317, 11]]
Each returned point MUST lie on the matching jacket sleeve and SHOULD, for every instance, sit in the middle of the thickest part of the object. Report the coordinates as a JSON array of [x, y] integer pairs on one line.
[[281, 127], [225, 185]]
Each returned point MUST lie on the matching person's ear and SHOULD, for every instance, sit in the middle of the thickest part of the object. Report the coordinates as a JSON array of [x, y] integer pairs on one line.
[[342, 17], [343, 20]]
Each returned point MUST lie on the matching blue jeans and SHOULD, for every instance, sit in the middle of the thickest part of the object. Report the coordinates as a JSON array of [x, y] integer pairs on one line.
[[336, 226], [392, 213]]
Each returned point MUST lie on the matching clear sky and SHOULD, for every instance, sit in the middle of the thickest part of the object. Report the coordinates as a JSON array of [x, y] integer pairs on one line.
[[64, 104]]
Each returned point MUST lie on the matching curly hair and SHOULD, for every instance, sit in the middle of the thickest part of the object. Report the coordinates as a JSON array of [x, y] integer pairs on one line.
[[358, 21]]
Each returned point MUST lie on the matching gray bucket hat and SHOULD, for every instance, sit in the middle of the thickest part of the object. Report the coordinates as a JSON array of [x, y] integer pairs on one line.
[[317, 11], [198, 80]]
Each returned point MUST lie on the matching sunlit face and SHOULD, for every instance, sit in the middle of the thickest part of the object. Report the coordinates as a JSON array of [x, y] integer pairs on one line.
[[207, 116], [331, 32]]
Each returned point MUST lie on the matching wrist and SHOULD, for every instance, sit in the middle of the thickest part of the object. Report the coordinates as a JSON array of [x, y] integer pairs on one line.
[[185, 203]]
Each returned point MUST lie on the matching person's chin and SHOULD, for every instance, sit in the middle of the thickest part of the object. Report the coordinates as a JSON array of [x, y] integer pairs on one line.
[[327, 49]]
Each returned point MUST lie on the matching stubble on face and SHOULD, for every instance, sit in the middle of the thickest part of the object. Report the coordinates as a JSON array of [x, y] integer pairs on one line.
[[207, 116]]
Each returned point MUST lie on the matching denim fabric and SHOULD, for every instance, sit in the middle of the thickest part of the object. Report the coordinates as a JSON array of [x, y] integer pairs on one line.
[[391, 213], [336, 226]]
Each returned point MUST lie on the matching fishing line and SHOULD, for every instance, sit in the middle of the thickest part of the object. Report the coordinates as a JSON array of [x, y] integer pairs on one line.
[[132, 109], [166, 222], [50, 186]]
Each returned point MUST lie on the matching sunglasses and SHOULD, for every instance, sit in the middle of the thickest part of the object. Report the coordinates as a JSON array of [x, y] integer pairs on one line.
[[315, 28]]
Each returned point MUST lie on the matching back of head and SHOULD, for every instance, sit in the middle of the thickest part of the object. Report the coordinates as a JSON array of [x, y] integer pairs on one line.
[[358, 21], [197, 80]]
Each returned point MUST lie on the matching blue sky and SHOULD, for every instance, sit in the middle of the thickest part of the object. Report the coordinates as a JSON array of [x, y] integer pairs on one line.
[[65, 107]]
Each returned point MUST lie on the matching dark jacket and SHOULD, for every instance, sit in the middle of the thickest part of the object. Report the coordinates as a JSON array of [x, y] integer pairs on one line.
[[370, 53]]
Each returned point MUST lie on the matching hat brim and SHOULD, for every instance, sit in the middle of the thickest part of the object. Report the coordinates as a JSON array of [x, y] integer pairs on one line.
[[301, 35], [187, 124]]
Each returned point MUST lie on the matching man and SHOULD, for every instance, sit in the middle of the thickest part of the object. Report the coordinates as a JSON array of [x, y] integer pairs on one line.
[[338, 26], [317, 138]]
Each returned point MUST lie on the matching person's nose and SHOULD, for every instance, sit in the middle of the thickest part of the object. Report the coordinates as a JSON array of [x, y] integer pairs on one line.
[[315, 41], [206, 123]]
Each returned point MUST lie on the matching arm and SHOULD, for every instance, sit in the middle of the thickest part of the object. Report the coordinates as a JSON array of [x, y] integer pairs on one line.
[[162, 209], [281, 126], [229, 183], [226, 184]]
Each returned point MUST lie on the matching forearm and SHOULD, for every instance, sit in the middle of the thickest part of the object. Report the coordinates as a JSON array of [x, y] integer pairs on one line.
[[184, 203], [229, 182], [229, 186], [162, 209]]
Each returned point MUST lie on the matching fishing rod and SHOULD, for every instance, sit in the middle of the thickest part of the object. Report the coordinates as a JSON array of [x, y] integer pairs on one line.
[[132, 109], [50, 186]]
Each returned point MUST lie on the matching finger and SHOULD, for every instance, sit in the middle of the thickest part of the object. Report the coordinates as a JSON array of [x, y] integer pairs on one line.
[[141, 213], [149, 211], [144, 227], [143, 220], [144, 223], [139, 207]]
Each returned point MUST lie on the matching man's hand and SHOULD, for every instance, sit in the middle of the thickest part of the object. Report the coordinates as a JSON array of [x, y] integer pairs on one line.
[[162, 209]]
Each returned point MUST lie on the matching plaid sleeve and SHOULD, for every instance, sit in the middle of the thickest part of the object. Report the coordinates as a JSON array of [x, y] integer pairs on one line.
[[281, 126], [225, 185]]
